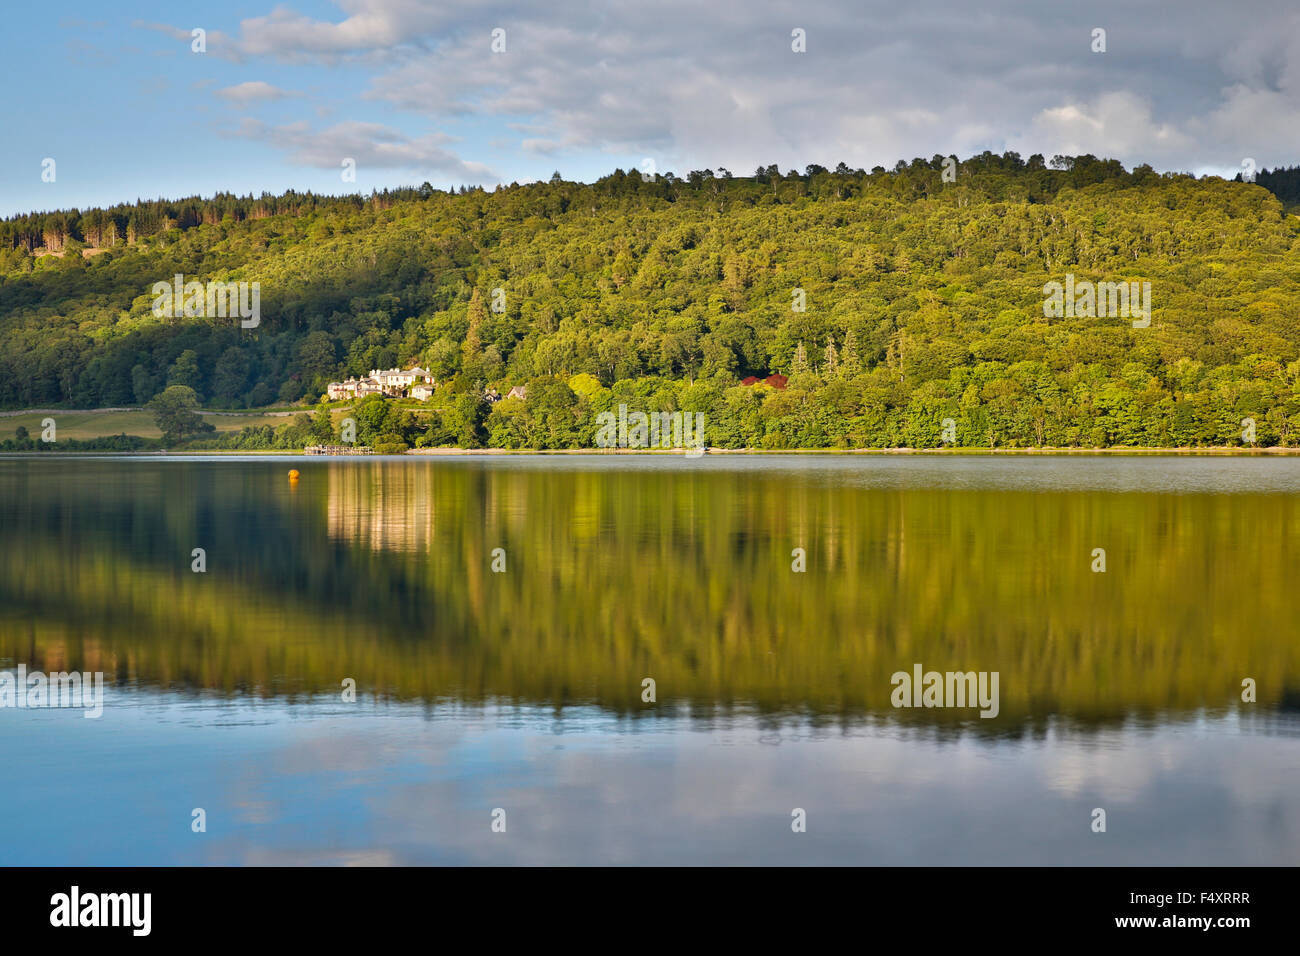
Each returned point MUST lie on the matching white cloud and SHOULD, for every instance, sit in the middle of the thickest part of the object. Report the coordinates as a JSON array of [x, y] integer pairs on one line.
[[1115, 124], [254, 91]]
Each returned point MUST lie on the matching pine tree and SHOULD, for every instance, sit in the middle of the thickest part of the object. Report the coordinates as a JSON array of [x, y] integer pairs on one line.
[[832, 357], [473, 346], [800, 363], [849, 354]]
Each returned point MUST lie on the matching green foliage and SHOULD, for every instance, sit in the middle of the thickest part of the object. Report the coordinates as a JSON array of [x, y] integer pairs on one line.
[[1282, 183], [127, 443], [322, 426], [175, 409], [924, 302]]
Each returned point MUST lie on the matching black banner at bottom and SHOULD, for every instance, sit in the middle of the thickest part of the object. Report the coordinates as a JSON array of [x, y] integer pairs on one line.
[[305, 905]]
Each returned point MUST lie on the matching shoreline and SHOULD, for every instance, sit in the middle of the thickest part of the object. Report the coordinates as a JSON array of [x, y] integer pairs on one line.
[[1224, 451]]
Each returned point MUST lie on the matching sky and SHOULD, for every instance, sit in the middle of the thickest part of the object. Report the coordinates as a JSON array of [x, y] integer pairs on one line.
[[455, 92]]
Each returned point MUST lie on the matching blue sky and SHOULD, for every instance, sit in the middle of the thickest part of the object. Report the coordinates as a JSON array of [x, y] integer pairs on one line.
[[413, 91], [128, 111]]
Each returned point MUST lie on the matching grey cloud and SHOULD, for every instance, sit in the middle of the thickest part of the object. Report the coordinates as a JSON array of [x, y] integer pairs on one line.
[[370, 144], [694, 85]]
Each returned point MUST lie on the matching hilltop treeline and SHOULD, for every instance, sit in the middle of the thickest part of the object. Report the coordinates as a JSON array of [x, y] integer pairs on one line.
[[921, 288], [1282, 183], [127, 223]]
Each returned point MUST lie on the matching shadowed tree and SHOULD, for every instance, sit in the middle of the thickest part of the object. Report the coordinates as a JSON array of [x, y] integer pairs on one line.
[[175, 410]]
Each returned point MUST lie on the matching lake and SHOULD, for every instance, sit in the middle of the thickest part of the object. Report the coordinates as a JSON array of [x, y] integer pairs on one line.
[[501, 619]]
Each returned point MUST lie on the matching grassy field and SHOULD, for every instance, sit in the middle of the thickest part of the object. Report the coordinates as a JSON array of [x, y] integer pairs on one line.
[[134, 421]]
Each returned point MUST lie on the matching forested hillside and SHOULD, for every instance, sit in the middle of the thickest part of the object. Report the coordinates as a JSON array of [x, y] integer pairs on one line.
[[924, 301]]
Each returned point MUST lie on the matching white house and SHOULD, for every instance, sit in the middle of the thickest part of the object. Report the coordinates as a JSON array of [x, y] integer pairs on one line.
[[421, 392], [393, 381], [337, 391]]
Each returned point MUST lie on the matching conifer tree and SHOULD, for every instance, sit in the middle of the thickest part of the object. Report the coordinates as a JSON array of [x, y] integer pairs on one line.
[[849, 354], [832, 357], [800, 363], [473, 346]]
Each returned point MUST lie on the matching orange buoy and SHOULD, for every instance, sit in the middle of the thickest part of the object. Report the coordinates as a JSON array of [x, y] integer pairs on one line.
[[293, 474]]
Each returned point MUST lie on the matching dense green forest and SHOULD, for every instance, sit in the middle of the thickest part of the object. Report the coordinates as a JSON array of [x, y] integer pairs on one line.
[[923, 292]]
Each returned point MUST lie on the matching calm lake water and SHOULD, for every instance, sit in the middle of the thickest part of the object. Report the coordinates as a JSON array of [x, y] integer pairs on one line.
[[522, 690]]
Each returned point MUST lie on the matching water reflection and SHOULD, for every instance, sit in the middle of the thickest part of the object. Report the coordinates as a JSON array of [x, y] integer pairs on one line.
[[381, 571], [383, 785], [522, 689]]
